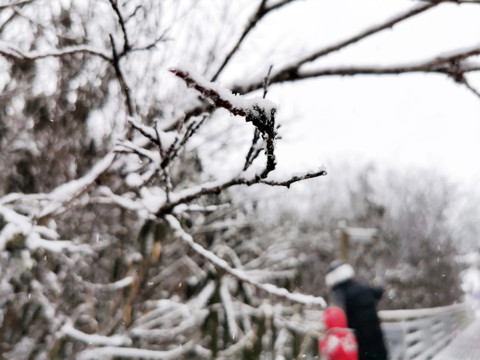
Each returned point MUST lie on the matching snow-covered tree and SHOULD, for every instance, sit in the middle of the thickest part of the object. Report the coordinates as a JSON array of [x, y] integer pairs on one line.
[[415, 249], [119, 237]]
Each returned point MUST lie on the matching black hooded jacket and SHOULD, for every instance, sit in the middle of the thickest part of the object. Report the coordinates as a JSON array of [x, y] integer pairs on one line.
[[359, 303]]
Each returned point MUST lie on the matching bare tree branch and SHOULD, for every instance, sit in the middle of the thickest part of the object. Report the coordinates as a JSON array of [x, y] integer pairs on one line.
[[290, 72], [471, 88], [452, 1], [366, 33], [126, 43], [260, 14], [173, 151], [266, 81], [9, 51], [149, 46], [453, 65], [121, 79], [254, 151]]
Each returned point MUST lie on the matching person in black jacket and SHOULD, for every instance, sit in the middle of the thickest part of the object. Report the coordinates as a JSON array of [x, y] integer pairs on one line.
[[359, 301]]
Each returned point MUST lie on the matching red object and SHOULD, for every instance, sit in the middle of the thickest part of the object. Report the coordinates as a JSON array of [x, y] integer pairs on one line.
[[339, 342]]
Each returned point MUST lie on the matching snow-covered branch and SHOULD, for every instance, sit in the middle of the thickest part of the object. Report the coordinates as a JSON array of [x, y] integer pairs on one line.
[[259, 111], [240, 274], [17, 3], [108, 352], [94, 339], [295, 178], [67, 192]]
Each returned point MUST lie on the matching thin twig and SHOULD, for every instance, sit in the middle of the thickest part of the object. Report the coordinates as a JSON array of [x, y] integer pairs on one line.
[[254, 150], [9, 51], [453, 1], [266, 81], [121, 79], [173, 151], [294, 179], [290, 72], [126, 44], [217, 187], [366, 33], [149, 46], [144, 130], [159, 140], [450, 65], [471, 88]]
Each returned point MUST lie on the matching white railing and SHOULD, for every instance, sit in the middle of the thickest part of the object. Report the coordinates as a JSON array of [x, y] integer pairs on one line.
[[421, 334]]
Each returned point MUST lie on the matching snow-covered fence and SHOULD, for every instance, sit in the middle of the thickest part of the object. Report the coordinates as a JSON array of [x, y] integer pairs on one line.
[[421, 334]]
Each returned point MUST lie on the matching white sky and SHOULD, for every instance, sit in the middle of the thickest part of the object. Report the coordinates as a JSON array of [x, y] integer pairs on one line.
[[406, 120], [415, 119]]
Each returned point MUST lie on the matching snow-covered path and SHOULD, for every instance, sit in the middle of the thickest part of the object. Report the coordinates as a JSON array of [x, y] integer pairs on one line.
[[466, 346]]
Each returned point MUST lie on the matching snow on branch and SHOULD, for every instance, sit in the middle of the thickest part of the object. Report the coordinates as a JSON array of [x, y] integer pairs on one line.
[[146, 131], [20, 230], [260, 112], [170, 319], [296, 178], [229, 309], [23, 230], [214, 187], [17, 3], [127, 352], [184, 208], [117, 285], [94, 339], [238, 273], [67, 192]]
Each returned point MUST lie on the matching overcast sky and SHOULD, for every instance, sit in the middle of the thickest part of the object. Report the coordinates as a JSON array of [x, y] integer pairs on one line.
[[417, 119]]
